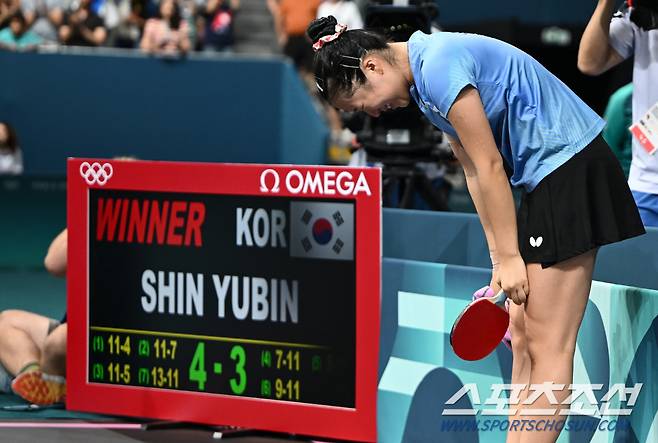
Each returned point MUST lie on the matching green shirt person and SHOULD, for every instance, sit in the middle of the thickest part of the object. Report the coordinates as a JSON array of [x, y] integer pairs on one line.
[[619, 115], [16, 36]]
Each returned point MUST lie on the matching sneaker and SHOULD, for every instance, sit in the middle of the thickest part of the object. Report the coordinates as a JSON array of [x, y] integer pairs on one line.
[[488, 292], [34, 388]]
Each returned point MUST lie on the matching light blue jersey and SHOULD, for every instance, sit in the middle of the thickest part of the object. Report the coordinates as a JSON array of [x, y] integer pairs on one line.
[[537, 121]]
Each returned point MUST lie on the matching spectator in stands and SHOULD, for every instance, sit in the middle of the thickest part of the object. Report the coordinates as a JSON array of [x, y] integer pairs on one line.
[[291, 17], [11, 158], [7, 10], [124, 20], [619, 116], [191, 12], [218, 28], [168, 34], [83, 27], [108, 11], [606, 42], [44, 17], [17, 37], [345, 11], [33, 347]]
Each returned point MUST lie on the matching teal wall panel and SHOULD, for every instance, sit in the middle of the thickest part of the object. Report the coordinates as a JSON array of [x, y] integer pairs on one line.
[[617, 344]]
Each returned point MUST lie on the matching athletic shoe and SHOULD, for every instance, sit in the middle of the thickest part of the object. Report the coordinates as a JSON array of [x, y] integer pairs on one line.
[[34, 388]]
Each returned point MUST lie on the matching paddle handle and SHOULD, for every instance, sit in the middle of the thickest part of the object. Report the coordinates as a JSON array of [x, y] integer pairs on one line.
[[500, 298]]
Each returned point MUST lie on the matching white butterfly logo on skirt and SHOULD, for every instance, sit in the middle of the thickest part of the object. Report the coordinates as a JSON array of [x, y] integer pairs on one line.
[[536, 242]]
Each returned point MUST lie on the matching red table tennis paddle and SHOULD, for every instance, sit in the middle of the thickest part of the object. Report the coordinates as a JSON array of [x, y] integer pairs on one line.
[[480, 327]]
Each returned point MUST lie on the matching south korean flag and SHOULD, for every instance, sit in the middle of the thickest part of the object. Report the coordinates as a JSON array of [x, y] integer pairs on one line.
[[322, 230]]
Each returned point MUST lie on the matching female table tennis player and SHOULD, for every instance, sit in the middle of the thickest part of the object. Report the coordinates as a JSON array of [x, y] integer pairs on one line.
[[508, 120]]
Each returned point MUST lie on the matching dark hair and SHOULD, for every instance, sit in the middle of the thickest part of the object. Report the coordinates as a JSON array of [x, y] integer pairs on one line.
[[337, 64], [18, 15], [12, 140], [175, 19]]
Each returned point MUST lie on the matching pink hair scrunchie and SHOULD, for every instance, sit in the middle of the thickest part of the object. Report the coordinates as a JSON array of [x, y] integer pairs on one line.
[[340, 28]]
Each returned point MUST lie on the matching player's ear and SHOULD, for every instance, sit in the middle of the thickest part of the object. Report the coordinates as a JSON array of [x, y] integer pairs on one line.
[[372, 64]]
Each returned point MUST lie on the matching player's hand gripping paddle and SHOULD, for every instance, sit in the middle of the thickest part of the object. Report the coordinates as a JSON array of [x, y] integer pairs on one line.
[[480, 327]]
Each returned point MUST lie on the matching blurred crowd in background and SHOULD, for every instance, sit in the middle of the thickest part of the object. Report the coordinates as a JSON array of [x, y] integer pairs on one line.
[[158, 26], [166, 26]]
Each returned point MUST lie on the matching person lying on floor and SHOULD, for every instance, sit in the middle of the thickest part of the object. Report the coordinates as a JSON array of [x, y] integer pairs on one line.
[[33, 347]]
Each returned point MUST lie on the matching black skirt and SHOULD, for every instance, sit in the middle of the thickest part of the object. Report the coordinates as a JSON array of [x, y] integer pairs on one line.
[[584, 204]]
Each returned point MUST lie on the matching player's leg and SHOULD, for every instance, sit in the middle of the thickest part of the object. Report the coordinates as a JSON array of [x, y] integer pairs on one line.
[[53, 357], [22, 335], [53, 367], [553, 314], [520, 362]]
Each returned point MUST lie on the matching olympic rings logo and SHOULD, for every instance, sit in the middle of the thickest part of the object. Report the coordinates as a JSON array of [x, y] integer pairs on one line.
[[96, 173]]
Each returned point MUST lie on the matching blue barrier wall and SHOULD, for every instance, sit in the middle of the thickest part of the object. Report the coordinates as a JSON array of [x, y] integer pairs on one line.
[[197, 109], [32, 213], [301, 129], [457, 238], [451, 237]]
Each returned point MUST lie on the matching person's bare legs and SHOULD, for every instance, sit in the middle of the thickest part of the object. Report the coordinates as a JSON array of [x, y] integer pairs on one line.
[[24, 347], [520, 364], [53, 357], [22, 336], [553, 314]]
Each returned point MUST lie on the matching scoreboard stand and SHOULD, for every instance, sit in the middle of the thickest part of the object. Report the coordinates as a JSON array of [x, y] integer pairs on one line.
[[219, 431], [228, 432]]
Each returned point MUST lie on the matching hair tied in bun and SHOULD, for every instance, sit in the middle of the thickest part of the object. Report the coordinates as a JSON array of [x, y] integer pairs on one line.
[[338, 30]]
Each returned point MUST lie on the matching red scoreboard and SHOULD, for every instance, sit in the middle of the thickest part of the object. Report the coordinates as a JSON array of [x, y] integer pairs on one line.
[[243, 295]]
